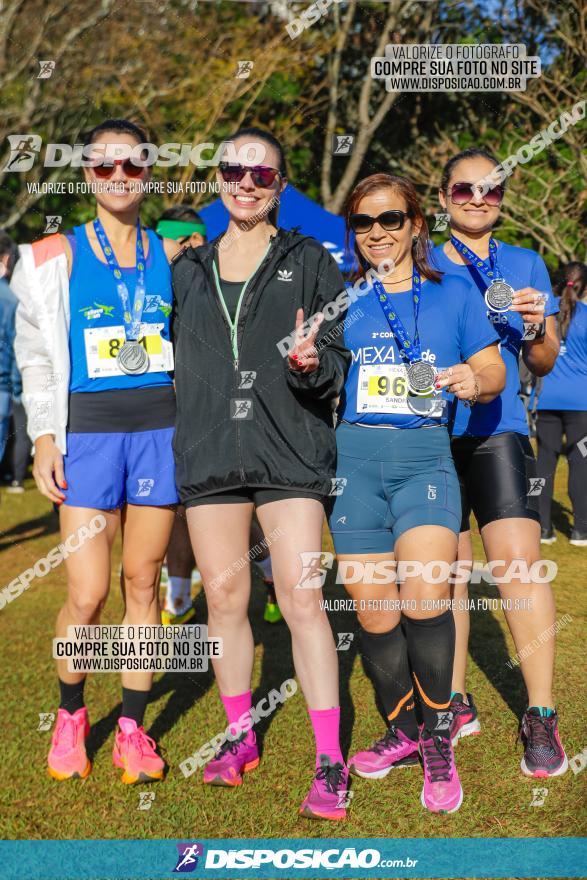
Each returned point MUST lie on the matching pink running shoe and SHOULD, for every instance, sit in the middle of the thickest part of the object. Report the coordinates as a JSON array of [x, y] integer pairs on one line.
[[134, 752], [328, 796], [67, 757], [233, 758], [442, 792], [394, 749], [465, 721]]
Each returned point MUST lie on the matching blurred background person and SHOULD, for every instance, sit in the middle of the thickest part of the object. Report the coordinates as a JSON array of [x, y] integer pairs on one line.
[[8, 303], [562, 408]]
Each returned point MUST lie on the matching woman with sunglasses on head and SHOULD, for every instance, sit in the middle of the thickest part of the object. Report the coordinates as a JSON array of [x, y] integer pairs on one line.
[[417, 337], [95, 354], [255, 430], [491, 449], [562, 407]]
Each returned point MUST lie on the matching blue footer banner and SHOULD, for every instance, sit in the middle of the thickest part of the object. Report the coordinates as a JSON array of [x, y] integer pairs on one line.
[[293, 858]]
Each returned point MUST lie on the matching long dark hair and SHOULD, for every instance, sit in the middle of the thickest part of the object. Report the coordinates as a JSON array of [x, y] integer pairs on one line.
[[570, 288], [406, 189], [259, 134], [471, 153]]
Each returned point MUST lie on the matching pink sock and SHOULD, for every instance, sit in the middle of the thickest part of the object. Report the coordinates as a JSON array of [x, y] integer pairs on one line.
[[326, 723], [237, 706]]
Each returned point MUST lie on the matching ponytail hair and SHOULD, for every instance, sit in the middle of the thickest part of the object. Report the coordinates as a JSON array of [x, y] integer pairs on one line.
[[570, 288]]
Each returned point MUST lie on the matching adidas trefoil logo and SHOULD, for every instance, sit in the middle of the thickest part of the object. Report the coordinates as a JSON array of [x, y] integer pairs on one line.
[[284, 275]]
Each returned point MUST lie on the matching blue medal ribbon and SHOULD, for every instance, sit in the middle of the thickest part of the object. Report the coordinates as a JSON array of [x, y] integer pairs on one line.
[[410, 351], [488, 267], [131, 316]]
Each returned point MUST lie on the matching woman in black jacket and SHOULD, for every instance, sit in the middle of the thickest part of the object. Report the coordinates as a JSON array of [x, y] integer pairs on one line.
[[259, 361]]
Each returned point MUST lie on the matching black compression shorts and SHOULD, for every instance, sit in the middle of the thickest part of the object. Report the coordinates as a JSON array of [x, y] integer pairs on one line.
[[495, 474]]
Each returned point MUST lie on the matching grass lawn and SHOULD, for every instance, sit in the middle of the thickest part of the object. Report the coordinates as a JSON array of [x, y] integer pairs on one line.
[[186, 711]]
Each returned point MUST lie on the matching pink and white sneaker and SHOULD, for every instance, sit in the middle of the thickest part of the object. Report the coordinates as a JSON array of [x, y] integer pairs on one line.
[[465, 721], [67, 757], [442, 792], [394, 749], [233, 758], [329, 795], [134, 752]]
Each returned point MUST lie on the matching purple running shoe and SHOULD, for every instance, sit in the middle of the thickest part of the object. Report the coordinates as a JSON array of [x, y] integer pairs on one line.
[[233, 758], [329, 794]]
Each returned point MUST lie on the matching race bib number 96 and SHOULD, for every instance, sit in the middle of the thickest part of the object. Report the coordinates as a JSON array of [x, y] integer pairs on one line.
[[383, 388]]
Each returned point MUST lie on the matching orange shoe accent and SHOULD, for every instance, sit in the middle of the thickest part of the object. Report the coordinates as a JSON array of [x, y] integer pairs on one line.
[[427, 700], [403, 700], [67, 758], [134, 752], [55, 774]]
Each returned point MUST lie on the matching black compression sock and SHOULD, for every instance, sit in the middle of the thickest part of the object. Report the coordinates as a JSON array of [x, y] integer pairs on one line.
[[431, 649], [134, 704], [385, 657], [71, 696]]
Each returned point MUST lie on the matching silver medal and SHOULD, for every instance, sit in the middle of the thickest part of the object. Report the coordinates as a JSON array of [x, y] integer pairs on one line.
[[132, 358], [421, 376], [499, 296]]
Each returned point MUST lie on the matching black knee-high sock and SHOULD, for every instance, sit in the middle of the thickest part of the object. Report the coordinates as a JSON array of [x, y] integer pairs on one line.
[[71, 696], [431, 650], [134, 704], [385, 657]]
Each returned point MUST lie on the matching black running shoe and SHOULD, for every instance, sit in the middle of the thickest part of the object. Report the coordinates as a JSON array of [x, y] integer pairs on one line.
[[543, 751]]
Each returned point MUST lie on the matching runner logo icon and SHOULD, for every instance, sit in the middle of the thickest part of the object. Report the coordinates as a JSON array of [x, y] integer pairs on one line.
[[188, 857], [145, 487]]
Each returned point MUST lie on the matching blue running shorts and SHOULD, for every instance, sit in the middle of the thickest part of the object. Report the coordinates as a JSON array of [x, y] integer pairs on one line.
[[391, 480]]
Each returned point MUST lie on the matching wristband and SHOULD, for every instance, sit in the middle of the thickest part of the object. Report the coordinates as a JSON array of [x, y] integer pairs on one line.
[[533, 332]]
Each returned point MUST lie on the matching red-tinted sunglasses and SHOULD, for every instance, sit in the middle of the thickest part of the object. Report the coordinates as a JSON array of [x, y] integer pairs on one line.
[[261, 175], [106, 169], [462, 192]]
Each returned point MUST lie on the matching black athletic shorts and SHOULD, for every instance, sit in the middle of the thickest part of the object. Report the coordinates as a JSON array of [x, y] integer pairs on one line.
[[257, 496], [495, 474]]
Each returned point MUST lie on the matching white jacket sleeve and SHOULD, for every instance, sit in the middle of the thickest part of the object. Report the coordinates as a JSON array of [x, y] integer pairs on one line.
[[33, 357]]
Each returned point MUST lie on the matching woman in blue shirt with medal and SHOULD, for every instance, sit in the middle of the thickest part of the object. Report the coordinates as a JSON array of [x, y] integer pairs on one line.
[[491, 449], [416, 337], [97, 344]]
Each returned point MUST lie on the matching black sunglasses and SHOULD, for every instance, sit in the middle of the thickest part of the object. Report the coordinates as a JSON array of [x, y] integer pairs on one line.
[[391, 221]]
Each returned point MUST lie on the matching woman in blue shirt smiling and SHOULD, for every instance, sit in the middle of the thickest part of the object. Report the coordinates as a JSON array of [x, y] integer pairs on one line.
[[492, 453], [415, 337]]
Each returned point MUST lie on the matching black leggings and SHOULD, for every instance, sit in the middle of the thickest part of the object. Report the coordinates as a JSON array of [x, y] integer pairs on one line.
[[551, 426]]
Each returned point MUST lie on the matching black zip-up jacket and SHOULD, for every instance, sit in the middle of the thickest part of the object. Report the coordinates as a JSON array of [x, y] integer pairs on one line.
[[284, 437]]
